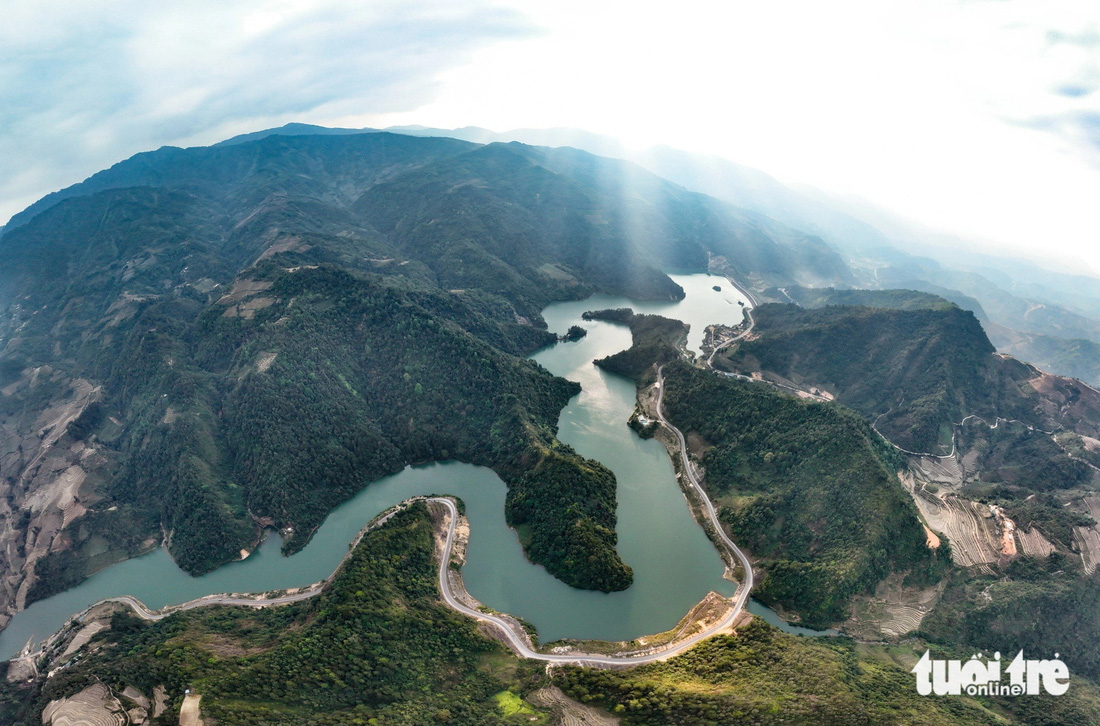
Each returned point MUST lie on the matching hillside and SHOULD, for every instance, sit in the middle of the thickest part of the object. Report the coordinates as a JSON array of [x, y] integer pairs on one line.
[[378, 645], [305, 663], [655, 340], [809, 297], [914, 372], [198, 342], [760, 675], [915, 367], [806, 487], [1034, 321]]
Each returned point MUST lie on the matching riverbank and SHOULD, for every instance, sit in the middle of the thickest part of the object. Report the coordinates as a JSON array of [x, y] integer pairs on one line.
[[672, 572], [714, 615], [75, 633], [710, 617]]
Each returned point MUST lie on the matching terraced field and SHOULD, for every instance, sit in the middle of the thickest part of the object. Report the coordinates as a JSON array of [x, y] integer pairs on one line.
[[905, 617], [975, 536], [567, 711], [943, 471], [1088, 538], [893, 611], [1033, 543], [94, 706]]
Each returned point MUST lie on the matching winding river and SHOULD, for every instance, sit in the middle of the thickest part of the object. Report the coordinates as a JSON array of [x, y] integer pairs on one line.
[[675, 565]]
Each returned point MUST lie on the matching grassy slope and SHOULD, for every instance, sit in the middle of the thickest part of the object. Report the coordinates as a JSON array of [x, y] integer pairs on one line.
[[807, 487], [764, 676]]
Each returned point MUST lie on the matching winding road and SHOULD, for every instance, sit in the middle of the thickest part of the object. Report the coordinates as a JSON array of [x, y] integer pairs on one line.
[[143, 612], [748, 328], [745, 587], [508, 628], [518, 643]]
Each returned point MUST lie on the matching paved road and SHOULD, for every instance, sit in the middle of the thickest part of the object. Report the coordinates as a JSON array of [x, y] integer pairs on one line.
[[748, 315], [746, 585], [518, 642], [507, 629], [520, 645], [143, 612]]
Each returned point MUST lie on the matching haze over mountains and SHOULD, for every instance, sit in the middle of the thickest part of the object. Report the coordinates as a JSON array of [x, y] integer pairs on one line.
[[1045, 317], [199, 343], [1051, 319]]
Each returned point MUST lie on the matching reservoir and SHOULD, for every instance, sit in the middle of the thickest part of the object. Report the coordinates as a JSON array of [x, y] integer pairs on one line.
[[675, 565]]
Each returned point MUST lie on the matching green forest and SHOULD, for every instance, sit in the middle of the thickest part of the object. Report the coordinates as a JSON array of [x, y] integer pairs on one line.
[[377, 647], [763, 676], [339, 379], [807, 487], [655, 340], [271, 325], [1039, 606], [915, 372]]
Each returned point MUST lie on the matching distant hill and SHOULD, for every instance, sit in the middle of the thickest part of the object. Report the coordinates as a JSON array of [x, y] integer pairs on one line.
[[1037, 315], [807, 487], [914, 372], [1075, 357], [890, 299], [292, 129]]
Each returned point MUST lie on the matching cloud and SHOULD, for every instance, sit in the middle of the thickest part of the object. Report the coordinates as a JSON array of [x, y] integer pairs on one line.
[[85, 84], [1087, 38], [1074, 90], [1078, 130]]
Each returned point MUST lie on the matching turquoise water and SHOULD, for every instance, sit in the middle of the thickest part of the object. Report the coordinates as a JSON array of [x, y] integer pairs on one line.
[[675, 565]]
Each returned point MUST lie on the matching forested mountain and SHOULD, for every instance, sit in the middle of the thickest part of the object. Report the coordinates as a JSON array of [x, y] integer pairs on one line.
[[808, 297], [1032, 323], [198, 343], [915, 370], [205, 340], [1015, 446], [805, 486], [655, 340], [1039, 316]]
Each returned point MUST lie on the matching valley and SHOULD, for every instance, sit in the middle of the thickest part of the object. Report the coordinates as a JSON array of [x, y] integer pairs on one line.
[[607, 411]]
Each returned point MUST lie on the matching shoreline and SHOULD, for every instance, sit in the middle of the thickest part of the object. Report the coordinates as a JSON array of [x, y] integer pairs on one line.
[[697, 624]]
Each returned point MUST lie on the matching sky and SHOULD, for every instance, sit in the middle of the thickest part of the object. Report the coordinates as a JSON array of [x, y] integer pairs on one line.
[[979, 118]]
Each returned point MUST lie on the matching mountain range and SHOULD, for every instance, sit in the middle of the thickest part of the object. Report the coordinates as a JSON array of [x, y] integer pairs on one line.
[[198, 344]]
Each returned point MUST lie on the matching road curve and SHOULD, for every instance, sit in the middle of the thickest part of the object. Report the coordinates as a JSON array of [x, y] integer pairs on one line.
[[745, 587], [748, 328], [515, 640], [520, 645]]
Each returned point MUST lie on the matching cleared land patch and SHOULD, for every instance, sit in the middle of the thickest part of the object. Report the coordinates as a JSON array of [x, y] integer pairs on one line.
[[970, 527]]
